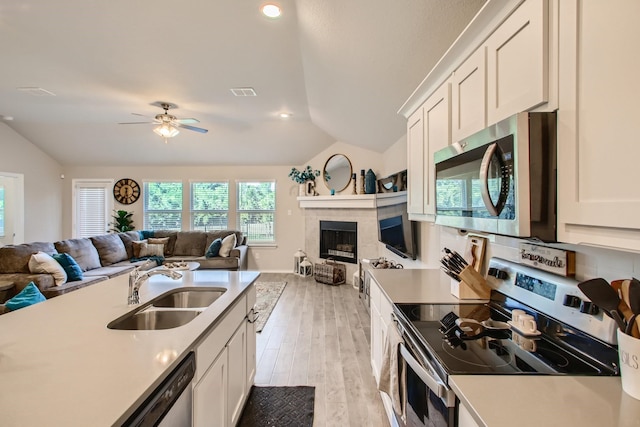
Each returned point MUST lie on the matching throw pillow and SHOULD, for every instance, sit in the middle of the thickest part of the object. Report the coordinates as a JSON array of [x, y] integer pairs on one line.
[[228, 243], [214, 249], [164, 241], [149, 249], [43, 263], [28, 296], [71, 267], [145, 234], [136, 247]]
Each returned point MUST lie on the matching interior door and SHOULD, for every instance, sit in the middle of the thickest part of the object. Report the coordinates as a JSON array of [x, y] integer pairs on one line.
[[11, 208]]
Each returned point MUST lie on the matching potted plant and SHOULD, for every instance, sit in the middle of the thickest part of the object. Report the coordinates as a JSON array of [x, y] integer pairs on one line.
[[302, 178], [122, 221]]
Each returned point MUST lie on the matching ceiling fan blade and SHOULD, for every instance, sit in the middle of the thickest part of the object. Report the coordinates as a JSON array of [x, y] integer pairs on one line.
[[180, 125], [137, 123], [142, 115], [187, 121]]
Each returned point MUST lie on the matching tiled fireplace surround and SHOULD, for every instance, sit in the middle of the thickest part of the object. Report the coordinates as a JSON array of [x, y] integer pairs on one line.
[[367, 232]]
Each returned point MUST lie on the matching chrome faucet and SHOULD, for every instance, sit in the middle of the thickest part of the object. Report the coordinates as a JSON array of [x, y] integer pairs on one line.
[[136, 279]]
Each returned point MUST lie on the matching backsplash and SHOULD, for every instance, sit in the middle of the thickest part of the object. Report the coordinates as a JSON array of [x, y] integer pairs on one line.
[[590, 261]]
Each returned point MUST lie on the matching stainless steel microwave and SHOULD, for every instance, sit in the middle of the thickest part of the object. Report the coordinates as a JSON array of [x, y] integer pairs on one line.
[[501, 180]]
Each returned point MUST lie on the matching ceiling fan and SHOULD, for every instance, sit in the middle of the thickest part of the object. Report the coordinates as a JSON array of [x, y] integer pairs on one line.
[[168, 124]]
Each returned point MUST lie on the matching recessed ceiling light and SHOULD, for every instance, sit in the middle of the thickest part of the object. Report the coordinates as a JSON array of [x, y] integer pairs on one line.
[[285, 115], [271, 10]]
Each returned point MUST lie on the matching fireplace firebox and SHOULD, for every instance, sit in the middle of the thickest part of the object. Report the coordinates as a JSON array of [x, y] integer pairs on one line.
[[339, 241]]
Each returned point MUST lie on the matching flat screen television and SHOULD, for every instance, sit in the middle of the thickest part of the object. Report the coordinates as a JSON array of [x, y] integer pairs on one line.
[[396, 232]]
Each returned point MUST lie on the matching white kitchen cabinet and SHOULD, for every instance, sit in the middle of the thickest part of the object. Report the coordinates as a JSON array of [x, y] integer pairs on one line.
[[225, 367], [518, 62], [209, 398], [468, 96], [237, 383], [428, 130], [381, 309], [598, 192]]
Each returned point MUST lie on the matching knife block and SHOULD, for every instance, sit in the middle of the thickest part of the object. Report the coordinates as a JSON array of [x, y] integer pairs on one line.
[[471, 286]]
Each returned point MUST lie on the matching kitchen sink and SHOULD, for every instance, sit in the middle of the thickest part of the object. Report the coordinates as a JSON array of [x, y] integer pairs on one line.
[[189, 298], [154, 319]]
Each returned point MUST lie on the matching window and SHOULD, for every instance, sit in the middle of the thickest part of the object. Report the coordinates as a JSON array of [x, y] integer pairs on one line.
[[92, 200], [256, 210], [209, 206], [163, 205]]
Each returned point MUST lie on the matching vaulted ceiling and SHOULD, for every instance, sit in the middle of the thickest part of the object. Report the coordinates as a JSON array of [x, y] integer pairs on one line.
[[342, 68]]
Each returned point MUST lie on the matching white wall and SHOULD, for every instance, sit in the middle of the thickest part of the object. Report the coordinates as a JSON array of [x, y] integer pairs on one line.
[[42, 185], [289, 219]]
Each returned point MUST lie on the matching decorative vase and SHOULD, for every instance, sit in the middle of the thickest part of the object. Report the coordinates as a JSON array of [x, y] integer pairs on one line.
[[361, 181], [353, 177], [370, 182], [302, 190]]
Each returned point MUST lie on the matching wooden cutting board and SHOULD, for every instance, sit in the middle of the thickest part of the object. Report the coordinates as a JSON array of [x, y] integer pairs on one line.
[[474, 253]]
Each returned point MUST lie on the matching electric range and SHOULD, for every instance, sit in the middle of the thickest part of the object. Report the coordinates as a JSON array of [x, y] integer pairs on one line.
[[572, 337]]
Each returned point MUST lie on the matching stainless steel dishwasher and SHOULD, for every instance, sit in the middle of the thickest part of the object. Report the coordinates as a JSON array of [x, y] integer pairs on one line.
[[170, 405]]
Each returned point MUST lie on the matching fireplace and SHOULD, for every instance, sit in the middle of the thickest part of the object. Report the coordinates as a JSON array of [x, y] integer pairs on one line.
[[339, 241]]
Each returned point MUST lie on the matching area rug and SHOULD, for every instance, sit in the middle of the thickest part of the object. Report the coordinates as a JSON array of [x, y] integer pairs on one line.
[[279, 406], [267, 295]]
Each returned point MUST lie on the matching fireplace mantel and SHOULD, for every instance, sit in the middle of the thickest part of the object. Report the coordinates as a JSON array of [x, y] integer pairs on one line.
[[360, 201]]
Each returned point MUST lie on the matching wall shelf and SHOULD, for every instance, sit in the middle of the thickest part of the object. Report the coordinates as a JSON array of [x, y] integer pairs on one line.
[[356, 201]]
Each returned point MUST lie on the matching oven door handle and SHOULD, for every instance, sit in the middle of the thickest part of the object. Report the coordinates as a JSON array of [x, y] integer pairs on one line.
[[441, 390]]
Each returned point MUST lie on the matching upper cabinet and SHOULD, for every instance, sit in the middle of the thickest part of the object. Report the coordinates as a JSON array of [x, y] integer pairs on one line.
[[598, 193], [518, 62], [469, 93], [428, 130]]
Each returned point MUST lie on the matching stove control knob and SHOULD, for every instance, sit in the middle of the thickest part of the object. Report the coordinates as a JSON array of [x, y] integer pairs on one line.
[[497, 273], [589, 308], [571, 301]]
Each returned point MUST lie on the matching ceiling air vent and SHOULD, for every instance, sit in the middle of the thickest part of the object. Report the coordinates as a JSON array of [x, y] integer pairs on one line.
[[243, 91], [36, 91]]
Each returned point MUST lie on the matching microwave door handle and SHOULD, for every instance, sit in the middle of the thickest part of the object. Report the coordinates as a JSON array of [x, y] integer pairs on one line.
[[484, 179]]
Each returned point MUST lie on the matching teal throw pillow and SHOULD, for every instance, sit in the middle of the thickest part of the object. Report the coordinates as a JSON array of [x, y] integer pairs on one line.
[[71, 267], [214, 249], [145, 234], [28, 296]]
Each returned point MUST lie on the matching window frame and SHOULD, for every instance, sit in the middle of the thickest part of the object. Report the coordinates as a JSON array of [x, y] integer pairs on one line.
[[193, 211], [240, 211], [145, 199]]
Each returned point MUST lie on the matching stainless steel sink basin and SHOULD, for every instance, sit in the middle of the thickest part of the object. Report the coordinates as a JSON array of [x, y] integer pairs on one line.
[[189, 298], [153, 320]]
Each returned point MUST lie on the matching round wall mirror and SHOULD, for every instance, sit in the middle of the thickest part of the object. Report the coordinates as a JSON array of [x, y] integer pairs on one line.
[[337, 172]]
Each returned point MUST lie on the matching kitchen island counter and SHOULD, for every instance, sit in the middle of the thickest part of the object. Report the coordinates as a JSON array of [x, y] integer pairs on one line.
[[61, 366]]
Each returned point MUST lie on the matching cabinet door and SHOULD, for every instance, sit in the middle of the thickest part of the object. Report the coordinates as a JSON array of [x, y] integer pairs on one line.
[[437, 135], [518, 62], [415, 163], [468, 92], [209, 395], [237, 383], [251, 354], [598, 196], [377, 342]]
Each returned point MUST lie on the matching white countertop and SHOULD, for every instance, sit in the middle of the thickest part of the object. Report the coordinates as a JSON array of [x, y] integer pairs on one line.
[[61, 366], [416, 286], [522, 400]]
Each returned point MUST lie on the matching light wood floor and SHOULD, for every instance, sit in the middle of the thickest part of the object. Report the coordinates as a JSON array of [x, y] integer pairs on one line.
[[319, 335]]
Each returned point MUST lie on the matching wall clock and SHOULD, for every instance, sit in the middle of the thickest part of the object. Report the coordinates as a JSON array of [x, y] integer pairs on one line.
[[126, 191]]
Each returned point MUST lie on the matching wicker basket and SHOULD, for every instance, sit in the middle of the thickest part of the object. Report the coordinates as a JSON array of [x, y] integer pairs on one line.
[[330, 272]]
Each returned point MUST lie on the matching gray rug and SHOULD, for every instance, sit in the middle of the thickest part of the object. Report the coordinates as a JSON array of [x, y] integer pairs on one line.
[[279, 407], [267, 295]]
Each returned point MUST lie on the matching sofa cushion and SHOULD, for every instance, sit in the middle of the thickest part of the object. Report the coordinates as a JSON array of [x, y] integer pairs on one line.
[[221, 234], [15, 258], [71, 267], [214, 249], [72, 286], [28, 296], [127, 237], [172, 235], [228, 243], [110, 248], [110, 270], [82, 250], [44, 263], [190, 243]]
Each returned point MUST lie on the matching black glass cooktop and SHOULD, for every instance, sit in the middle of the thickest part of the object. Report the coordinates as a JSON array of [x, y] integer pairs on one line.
[[459, 350]]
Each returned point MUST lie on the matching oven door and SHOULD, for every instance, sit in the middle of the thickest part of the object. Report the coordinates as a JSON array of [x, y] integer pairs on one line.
[[428, 401]]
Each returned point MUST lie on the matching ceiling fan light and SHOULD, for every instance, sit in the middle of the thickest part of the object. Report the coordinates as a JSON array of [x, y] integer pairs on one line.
[[271, 10], [166, 130]]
